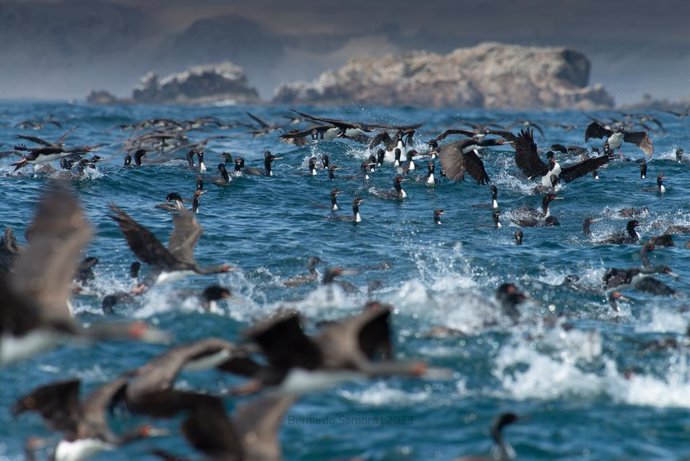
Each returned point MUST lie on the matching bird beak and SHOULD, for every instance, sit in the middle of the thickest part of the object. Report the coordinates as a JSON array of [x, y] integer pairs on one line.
[[592, 221], [558, 198], [349, 272], [673, 274]]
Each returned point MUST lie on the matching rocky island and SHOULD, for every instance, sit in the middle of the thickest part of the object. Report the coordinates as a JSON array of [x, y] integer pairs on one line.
[[223, 83], [490, 75]]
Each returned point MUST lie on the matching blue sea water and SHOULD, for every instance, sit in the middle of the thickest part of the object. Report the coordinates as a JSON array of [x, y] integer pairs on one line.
[[593, 391]]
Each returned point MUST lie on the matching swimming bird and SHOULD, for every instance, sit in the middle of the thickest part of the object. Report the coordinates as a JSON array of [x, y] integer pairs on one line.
[[679, 155], [643, 170], [334, 199], [408, 165], [430, 177], [509, 297], [628, 237], [331, 171], [518, 237], [224, 179], [677, 229], [587, 224], [494, 199], [269, 158], [660, 183], [312, 166], [138, 156], [625, 278], [34, 311], [615, 137], [83, 423], [502, 450], [173, 202], [398, 193], [529, 217], [200, 156], [175, 260], [496, 216], [438, 212], [311, 276], [655, 286], [211, 295], [356, 217], [634, 212]]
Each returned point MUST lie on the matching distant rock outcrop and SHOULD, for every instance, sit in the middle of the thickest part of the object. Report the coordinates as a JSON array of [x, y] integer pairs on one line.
[[207, 84], [648, 103], [197, 85], [490, 75]]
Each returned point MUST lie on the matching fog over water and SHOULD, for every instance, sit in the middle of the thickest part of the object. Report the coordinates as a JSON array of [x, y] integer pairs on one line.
[[63, 49]]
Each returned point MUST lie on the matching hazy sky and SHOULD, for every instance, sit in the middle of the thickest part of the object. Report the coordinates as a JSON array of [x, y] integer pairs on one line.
[[64, 48]]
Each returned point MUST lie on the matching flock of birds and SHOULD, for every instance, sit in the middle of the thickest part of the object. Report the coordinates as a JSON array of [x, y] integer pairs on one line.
[[280, 357]]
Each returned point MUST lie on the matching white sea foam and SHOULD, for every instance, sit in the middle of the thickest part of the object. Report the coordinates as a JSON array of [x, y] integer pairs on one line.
[[382, 394]]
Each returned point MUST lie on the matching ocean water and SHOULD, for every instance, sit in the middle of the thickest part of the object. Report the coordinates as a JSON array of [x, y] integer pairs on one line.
[[594, 391]]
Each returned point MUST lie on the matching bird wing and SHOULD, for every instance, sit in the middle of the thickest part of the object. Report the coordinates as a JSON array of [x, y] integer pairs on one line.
[[475, 167], [381, 137], [44, 271], [505, 134], [142, 242], [596, 130], [357, 135], [339, 123], [258, 120], [452, 161], [447, 133], [258, 423], [57, 403], [35, 139], [160, 372], [351, 342], [375, 336], [295, 137], [64, 136], [538, 128], [641, 140], [94, 409], [572, 172], [526, 156], [284, 343], [185, 235], [209, 430], [18, 316]]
